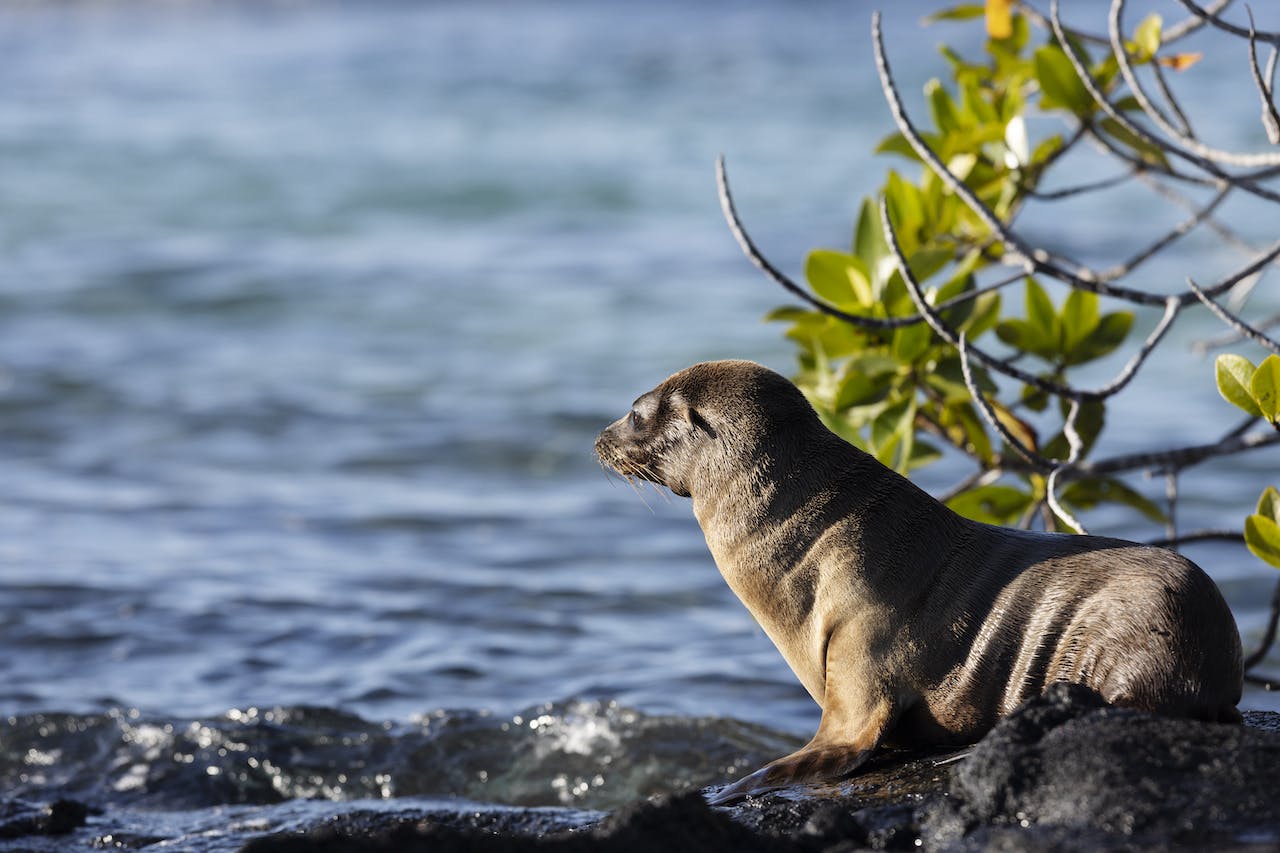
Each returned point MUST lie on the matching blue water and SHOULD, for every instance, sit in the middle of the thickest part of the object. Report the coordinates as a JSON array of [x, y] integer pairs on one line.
[[309, 314]]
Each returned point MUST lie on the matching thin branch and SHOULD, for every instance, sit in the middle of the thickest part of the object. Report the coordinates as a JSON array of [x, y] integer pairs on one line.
[[1172, 306], [1203, 346], [1030, 456], [1076, 446], [1189, 25], [1051, 498], [1111, 149], [1165, 191], [1121, 54], [1198, 536], [1217, 155], [756, 257], [981, 477], [1018, 252], [1233, 321], [1180, 457], [1178, 231], [1239, 275], [1268, 636], [1080, 189], [1171, 495], [1209, 165], [1211, 17], [1270, 119], [1184, 123]]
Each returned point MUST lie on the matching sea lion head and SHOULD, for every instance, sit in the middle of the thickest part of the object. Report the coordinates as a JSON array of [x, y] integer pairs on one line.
[[704, 422]]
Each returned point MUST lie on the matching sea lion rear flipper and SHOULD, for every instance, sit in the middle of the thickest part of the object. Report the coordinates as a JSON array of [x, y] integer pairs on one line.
[[846, 738]]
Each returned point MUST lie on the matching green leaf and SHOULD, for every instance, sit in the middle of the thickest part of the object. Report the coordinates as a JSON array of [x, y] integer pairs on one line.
[[1046, 149], [963, 12], [1110, 332], [1079, 319], [1262, 535], [1234, 373], [1022, 335], [925, 263], [787, 314], [1087, 494], [968, 430], [1269, 504], [941, 107], [922, 454], [986, 311], [1147, 36], [896, 143], [893, 433], [910, 342], [860, 386], [1041, 314], [994, 504], [906, 210], [1264, 385], [1145, 151], [1060, 88], [838, 277], [869, 244]]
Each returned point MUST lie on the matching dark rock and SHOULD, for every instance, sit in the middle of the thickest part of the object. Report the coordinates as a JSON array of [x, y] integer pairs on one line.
[[1063, 773], [1076, 774], [19, 819]]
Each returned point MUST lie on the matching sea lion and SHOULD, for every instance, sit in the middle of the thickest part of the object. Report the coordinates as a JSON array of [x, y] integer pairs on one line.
[[908, 624]]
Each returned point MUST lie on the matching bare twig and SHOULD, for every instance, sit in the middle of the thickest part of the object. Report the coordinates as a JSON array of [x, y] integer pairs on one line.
[[1184, 124], [1172, 306], [756, 257], [1180, 230], [1018, 253], [1186, 27], [1030, 456], [1204, 346], [981, 477], [1080, 189], [1268, 636], [1051, 485], [1180, 457], [1211, 17], [1171, 495], [1199, 536], [1211, 165], [1185, 142], [1233, 321], [1266, 87]]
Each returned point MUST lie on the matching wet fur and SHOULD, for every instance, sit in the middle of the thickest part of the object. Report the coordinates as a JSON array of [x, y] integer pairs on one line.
[[908, 624]]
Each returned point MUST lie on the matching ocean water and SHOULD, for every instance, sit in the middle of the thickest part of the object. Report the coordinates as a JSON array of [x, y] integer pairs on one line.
[[309, 314]]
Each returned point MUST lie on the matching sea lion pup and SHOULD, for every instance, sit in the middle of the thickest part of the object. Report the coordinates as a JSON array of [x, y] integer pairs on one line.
[[908, 624]]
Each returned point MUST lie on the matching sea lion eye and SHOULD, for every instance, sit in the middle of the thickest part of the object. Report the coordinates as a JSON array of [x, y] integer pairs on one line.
[[635, 419]]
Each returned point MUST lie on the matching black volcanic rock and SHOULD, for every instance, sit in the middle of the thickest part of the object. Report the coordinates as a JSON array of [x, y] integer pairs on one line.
[[1065, 773]]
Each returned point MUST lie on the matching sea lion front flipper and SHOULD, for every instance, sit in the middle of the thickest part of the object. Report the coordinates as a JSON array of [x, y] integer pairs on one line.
[[846, 738]]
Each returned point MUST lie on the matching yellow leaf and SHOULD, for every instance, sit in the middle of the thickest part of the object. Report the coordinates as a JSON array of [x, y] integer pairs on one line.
[[1180, 61], [999, 18]]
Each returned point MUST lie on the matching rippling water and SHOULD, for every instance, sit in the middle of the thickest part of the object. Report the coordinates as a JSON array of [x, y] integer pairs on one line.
[[308, 316]]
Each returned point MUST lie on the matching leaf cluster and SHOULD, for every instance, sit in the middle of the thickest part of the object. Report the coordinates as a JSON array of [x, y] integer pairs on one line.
[[897, 390]]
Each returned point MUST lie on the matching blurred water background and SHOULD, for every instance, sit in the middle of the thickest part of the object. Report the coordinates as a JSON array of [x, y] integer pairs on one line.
[[309, 313]]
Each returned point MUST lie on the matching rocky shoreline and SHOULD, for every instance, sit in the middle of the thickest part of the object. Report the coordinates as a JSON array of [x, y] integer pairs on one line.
[[1063, 773]]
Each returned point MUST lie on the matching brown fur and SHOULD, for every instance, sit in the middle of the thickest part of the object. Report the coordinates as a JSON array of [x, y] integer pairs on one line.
[[906, 623]]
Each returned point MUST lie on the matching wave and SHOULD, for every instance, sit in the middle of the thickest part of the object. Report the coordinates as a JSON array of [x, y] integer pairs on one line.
[[590, 755]]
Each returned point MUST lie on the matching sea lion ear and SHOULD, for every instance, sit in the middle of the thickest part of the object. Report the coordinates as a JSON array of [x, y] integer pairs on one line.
[[690, 415]]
